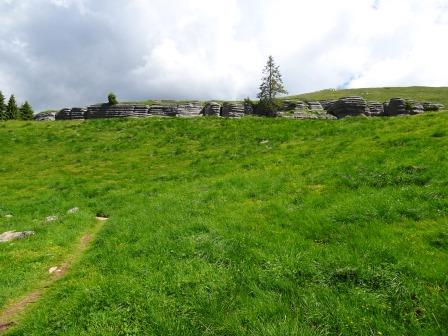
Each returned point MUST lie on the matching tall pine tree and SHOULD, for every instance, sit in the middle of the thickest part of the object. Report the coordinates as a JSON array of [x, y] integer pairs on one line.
[[12, 111], [271, 86], [271, 83], [26, 112], [2, 106]]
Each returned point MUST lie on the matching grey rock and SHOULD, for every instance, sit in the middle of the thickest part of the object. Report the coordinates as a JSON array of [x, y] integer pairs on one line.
[[315, 106], [192, 109], [349, 106], [396, 106], [428, 106], [73, 210], [212, 109], [320, 115], [45, 116], [13, 235], [232, 110], [116, 111], [375, 108], [75, 113], [51, 219]]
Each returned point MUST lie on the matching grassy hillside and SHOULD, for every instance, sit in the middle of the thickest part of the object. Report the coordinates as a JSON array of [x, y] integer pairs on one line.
[[419, 93], [254, 226]]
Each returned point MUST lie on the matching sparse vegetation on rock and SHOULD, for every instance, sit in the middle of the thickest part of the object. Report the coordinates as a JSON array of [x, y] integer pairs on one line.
[[112, 99]]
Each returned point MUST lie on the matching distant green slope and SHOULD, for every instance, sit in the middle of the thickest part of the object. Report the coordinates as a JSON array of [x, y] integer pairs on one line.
[[419, 93]]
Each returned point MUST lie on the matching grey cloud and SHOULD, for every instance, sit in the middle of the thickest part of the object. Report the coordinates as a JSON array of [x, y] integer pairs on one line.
[[73, 52]]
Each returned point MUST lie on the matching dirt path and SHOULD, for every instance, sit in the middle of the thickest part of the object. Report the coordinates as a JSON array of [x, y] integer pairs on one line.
[[10, 314]]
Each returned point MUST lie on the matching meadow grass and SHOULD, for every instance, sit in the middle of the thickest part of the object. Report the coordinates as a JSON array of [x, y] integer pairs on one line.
[[255, 226]]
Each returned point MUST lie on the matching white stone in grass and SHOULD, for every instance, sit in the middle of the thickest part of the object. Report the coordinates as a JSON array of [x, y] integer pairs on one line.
[[264, 142], [8, 216], [13, 235], [54, 270], [51, 219], [72, 211]]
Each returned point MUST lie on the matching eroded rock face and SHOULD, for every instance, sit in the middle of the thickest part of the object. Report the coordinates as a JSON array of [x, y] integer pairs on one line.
[[376, 109], [304, 115], [116, 111], [161, 110], [396, 106], [13, 235], [212, 109], [315, 106], [349, 106], [232, 110], [75, 113], [45, 116], [192, 109], [428, 106]]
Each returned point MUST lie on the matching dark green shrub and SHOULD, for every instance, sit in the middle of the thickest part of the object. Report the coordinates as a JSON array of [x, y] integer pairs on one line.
[[112, 99]]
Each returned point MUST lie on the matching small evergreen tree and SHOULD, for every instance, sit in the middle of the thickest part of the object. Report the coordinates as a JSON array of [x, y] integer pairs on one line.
[[271, 86], [112, 98], [26, 112], [12, 111], [2, 106]]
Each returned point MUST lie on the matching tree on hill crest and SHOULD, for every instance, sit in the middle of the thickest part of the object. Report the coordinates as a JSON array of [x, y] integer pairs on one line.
[[12, 111]]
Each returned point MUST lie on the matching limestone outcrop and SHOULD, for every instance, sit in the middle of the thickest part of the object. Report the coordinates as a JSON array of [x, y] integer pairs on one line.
[[192, 109], [212, 109], [348, 106], [45, 116], [116, 111], [13, 235], [232, 110], [323, 109], [376, 109]]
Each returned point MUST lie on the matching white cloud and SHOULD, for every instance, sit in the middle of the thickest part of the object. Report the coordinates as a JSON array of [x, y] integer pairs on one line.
[[72, 52]]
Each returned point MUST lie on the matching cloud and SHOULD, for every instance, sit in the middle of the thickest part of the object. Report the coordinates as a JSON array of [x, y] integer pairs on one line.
[[59, 53]]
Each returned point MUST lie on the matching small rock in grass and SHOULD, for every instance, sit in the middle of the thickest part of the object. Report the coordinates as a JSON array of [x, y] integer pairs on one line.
[[54, 270], [72, 211], [264, 142], [12, 235], [8, 216], [51, 219], [102, 218]]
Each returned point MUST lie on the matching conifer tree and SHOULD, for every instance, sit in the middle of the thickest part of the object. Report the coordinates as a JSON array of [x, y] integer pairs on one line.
[[2, 106], [26, 111], [12, 111], [272, 83]]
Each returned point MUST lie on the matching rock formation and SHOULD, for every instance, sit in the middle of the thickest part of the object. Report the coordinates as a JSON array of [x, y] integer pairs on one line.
[[375, 108], [45, 116], [396, 106], [348, 106], [315, 106], [232, 110], [323, 109], [116, 111], [428, 106], [192, 109], [212, 109], [13, 235]]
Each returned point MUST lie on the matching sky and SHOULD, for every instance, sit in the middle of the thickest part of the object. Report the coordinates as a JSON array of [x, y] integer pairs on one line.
[[64, 53]]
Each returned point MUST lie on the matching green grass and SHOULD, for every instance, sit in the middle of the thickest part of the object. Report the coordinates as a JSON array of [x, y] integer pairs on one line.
[[418, 93], [255, 226]]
